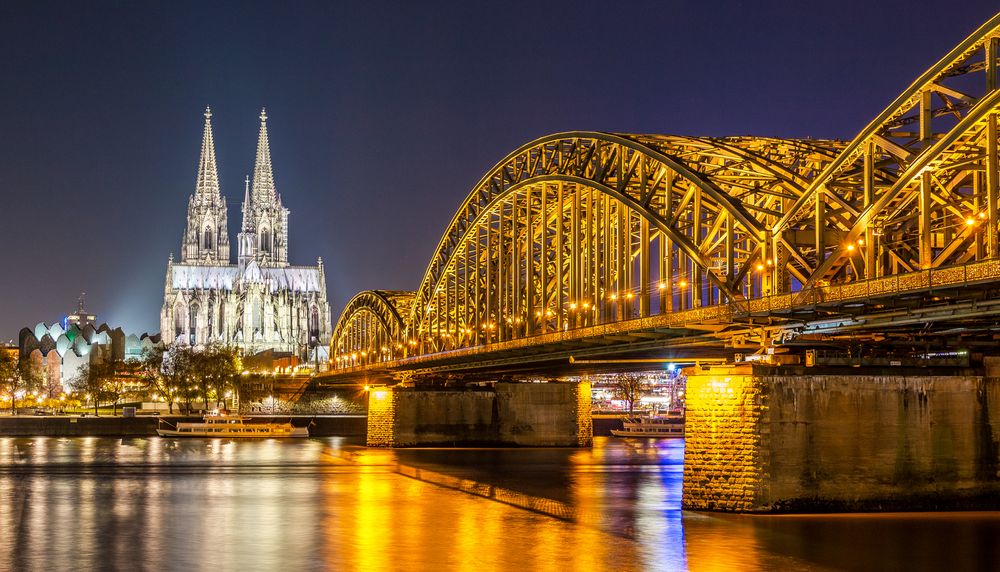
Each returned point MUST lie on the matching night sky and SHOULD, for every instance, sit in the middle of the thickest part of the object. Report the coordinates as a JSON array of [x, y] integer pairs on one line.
[[382, 116]]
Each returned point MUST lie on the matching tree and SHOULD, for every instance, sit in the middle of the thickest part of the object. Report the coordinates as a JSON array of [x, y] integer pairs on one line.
[[217, 368], [628, 388], [90, 379], [181, 373], [10, 381], [178, 375], [153, 375], [17, 377]]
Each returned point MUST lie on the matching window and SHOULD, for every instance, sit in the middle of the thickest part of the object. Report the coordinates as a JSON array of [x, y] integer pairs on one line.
[[265, 241], [222, 320], [178, 320], [314, 324], [211, 318], [208, 238], [258, 315], [193, 324]]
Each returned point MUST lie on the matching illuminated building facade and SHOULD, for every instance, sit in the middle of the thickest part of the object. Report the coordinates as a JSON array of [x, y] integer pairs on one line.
[[61, 348], [261, 302]]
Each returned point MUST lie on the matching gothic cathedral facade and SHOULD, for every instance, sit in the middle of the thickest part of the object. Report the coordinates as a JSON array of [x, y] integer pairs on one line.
[[260, 302]]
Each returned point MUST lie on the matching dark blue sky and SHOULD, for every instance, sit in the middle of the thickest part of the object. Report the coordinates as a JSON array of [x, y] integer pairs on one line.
[[382, 115]]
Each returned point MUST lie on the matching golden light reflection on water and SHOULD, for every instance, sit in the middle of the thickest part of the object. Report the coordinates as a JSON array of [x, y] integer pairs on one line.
[[330, 504]]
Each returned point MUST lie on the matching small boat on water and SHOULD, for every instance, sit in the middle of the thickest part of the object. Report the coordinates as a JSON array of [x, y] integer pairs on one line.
[[669, 425], [231, 426]]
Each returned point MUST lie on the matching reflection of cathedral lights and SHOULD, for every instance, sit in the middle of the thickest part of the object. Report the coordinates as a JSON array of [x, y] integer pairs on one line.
[[261, 302]]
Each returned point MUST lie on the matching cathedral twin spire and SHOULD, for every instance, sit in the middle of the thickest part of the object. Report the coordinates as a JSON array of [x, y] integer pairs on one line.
[[206, 238], [264, 236], [207, 186], [263, 174]]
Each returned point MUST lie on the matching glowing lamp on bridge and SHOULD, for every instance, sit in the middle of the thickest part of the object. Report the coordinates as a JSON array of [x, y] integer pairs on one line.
[[572, 306], [683, 284], [614, 296], [760, 268], [629, 296], [662, 286]]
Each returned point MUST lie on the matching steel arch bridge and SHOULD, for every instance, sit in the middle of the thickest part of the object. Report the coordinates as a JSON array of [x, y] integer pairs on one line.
[[615, 233]]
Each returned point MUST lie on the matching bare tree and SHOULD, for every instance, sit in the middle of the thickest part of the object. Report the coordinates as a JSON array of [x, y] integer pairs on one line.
[[628, 388]]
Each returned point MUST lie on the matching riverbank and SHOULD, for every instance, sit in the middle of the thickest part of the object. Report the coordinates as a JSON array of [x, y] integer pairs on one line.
[[76, 426]]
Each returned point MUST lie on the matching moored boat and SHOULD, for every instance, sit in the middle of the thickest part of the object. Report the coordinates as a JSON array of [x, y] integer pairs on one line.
[[232, 426], [669, 425]]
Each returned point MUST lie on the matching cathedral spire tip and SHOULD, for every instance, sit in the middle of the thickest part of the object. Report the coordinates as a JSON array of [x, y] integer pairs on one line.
[[207, 182], [263, 114]]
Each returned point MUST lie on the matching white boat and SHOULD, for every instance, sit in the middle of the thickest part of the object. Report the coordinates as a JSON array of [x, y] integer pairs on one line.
[[231, 426], [670, 425]]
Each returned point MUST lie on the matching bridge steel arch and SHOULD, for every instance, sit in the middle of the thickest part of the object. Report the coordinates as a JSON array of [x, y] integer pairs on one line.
[[585, 228], [370, 328], [935, 201]]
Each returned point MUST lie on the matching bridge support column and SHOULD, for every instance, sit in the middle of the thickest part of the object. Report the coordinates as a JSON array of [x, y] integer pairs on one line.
[[521, 414], [863, 441]]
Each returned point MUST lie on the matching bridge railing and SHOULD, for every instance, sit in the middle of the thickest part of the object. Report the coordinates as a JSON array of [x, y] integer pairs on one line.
[[921, 280]]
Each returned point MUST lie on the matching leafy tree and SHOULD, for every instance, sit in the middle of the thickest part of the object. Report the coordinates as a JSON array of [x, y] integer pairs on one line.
[[90, 379], [34, 378], [628, 388], [178, 375], [181, 373], [10, 378], [156, 375], [216, 371], [18, 377]]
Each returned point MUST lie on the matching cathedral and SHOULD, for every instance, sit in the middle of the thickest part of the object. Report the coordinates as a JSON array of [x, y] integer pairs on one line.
[[260, 302]]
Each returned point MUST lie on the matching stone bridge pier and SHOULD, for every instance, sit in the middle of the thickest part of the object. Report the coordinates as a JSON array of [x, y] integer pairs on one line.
[[766, 440], [520, 414]]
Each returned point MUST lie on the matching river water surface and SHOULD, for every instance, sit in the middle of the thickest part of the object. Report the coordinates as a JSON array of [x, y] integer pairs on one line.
[[324, 504]]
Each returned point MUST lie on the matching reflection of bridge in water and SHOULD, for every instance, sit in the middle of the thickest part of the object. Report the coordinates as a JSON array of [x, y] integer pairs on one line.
[[629, 246]]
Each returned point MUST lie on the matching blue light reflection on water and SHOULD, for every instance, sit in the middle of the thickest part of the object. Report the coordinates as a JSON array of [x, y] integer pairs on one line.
[[89, 503]]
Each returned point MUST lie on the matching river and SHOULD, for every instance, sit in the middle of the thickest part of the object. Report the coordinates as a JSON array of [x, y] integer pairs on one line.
[[322, 504]]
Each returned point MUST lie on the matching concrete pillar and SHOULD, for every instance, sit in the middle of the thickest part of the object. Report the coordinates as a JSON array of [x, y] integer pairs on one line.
[[522, 414], [801, 442]]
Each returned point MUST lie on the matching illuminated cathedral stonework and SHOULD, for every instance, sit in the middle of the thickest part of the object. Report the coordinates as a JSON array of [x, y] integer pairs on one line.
[[260, 302]]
